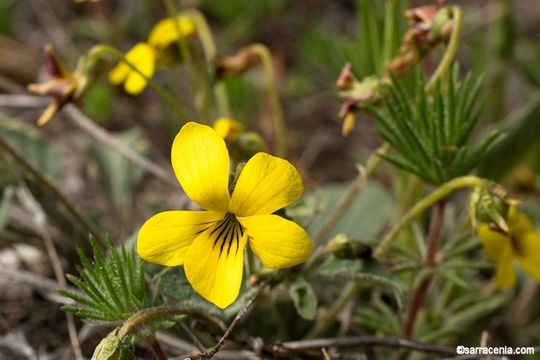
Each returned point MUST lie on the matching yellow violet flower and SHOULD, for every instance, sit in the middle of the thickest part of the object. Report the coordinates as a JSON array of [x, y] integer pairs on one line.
[[165, 32], [210, 243], [520, 244], [141, 56], [228, 129]]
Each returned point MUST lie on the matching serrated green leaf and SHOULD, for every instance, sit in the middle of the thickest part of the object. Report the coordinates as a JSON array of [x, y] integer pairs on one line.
[[110, 289]]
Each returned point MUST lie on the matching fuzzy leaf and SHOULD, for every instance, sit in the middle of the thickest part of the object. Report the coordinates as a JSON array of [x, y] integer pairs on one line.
[[304, 299]]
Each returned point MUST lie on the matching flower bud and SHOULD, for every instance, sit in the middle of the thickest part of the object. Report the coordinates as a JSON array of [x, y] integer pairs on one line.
[[237, 64], [342, 246], [228, 129], [487, 208]]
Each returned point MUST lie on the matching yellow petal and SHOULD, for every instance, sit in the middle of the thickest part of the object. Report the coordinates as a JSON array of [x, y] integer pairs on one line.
[[143, 58], [119, 73], [215, 261], [165, 32], [49, 113], [505, 276], [278, 242], [201, 163], [165, 237], [529, 254], [266, 184], [495, 243]]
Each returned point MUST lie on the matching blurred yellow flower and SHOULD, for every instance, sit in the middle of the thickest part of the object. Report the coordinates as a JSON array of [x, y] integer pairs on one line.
[[210, 243], [520, 244], [142, 57], [166, 32], [228, 129]]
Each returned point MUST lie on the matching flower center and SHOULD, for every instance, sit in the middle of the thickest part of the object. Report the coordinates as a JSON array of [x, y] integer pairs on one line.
[[226, 232]]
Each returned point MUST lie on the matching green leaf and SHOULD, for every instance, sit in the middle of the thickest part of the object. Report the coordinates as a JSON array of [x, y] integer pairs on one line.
[[431, 133], [112, 347], [368, 215], [173, 286], [365, 271], [376, 321], [304, 299], [112, 288]]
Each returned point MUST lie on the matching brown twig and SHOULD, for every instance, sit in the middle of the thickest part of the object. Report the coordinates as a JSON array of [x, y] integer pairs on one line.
[[326, 355], [36, 281], [362, 341], [214, 350], [209, 354], [90, 127], [419, 294], [100, 134], [192, 336]]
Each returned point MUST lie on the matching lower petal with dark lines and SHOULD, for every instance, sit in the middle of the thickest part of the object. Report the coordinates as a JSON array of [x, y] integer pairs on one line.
[[165, 238], [214, 262]]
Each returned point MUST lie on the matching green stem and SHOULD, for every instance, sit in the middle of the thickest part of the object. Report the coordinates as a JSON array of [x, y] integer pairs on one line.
[[99, 51], [438, 194], [389, 31], [209, 48], [451, 50], [138, 320], [279, 122], [183, 48]]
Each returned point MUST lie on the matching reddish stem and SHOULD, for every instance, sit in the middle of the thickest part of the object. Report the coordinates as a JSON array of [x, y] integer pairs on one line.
[[158, 351], [419, 294]]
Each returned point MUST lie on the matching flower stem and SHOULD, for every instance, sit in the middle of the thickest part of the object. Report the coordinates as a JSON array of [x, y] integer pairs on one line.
[[172, 10], [450, 52], [209, 47], [435, 196], [138, 320], [273, 97], [433, 240]]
